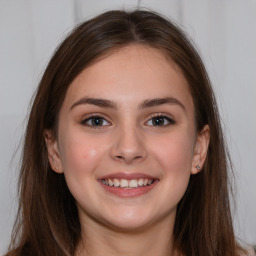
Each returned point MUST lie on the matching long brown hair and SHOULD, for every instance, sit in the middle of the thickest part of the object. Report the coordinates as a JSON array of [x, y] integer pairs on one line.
[[47, 222]]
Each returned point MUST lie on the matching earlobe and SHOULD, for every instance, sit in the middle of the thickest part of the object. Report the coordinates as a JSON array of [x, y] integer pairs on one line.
[[200, 150], [53, 152]]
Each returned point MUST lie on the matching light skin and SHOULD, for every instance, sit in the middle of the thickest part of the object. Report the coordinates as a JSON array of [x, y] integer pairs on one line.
[[143, 122]]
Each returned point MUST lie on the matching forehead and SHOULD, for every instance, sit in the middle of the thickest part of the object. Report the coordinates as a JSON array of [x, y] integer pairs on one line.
[[130, 74]]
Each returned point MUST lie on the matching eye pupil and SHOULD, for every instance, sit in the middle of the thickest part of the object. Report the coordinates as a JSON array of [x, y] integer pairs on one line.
[[97, 121], [158, 121]]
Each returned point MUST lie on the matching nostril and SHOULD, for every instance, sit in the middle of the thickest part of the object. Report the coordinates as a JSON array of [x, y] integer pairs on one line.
[[128, 158]]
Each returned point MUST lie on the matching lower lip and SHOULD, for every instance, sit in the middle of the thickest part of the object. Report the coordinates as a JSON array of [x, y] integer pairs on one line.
[[133, 192]]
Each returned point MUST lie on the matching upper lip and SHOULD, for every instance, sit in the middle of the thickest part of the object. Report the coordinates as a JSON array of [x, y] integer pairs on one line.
[[128, 176]]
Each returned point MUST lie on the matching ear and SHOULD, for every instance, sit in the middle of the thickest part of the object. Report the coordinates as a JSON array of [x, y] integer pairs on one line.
[[200, 149], [53, 152]]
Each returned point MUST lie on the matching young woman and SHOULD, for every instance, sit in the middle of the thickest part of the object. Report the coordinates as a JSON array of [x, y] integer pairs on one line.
[[124, 152]]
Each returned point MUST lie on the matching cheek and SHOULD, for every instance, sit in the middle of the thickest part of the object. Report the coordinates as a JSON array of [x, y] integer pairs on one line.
[[175, 155], [175, 152], [80, 156]]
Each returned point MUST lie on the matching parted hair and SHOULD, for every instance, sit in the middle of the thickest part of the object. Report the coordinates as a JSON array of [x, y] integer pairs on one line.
[[47, 222]]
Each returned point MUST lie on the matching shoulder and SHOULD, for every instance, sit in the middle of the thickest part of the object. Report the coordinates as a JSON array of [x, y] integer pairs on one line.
[[251, 251]]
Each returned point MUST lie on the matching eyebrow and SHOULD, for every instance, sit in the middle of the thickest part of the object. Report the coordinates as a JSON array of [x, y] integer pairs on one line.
[[104, 103], [161, 101]]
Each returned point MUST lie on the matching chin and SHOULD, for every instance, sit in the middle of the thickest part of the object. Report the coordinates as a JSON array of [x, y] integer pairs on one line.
[[131, 219], [129, 225]]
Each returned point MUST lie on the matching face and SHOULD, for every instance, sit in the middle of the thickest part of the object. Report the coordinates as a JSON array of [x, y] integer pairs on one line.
[[127, 142]]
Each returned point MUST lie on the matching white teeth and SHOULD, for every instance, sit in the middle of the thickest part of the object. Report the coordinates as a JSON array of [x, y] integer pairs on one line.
[[116, 183], [150, 182], [133, 184], [140, 182], [123, 183]]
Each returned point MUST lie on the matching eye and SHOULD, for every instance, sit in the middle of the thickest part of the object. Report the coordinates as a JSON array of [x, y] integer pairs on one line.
[[160, 120], [95, 121]]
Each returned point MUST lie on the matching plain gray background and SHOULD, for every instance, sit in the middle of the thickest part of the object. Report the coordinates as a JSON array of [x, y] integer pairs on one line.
[[224, 31]]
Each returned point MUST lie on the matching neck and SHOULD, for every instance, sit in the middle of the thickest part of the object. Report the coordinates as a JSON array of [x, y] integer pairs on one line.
[[104, 240]]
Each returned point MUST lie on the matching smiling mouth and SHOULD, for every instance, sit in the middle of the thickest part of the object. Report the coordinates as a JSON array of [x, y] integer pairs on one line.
[[127, 184]]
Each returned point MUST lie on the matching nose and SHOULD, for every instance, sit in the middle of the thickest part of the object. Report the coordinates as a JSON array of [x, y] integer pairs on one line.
[[128, 146]]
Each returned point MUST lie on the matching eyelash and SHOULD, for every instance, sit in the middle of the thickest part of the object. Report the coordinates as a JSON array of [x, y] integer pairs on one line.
[[90, 119], [165, 119], [169, 120]]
